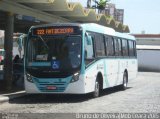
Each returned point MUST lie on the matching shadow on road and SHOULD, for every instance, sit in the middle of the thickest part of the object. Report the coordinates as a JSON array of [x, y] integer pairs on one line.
[[60, 98], [109, 91]]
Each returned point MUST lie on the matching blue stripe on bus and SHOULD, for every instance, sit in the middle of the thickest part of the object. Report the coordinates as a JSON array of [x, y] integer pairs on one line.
[[60, 84], [40, 64]]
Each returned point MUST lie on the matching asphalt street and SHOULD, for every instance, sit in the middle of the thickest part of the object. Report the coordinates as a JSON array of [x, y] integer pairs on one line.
[[141, 96]]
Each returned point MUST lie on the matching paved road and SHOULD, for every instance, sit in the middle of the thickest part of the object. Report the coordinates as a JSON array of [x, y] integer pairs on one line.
[[142, 95]]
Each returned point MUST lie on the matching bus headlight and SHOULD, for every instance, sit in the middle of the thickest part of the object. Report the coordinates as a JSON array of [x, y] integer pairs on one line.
[[29, 78], [75, 77]]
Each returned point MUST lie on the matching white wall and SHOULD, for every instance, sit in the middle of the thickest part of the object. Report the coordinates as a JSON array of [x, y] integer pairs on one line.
[[148, 60], [149, 41]]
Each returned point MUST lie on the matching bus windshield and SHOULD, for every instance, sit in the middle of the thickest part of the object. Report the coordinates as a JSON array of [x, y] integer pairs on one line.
[[53, 56]]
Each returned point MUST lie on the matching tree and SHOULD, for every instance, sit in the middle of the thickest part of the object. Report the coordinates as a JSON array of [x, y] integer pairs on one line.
[[101, 5]]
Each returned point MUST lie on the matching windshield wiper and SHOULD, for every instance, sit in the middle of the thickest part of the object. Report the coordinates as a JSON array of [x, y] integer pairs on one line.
[[43, 42]]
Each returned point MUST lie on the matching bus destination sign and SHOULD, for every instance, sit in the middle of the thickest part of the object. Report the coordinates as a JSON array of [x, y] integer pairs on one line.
[[53, 31]]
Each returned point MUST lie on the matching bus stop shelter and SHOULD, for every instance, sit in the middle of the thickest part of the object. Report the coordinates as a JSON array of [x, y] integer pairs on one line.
[[29, 12], [20, 15]]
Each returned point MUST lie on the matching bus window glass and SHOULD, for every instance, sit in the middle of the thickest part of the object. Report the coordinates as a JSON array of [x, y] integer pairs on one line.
[[134, 47], [99, 43], [131, 48], [120, 47], [66, 51], [89, 52], [88, 48], [109, 46], [117, 43], [125, 47]]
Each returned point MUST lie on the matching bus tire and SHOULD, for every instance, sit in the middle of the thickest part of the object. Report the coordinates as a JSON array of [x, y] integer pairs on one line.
[[96, 92], [125, 81]]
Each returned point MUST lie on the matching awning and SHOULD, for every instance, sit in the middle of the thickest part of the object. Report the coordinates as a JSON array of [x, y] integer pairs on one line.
[[57, 11]]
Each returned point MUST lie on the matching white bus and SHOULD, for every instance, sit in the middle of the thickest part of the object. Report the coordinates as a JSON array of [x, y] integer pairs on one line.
[[2, 53], [78, 59]]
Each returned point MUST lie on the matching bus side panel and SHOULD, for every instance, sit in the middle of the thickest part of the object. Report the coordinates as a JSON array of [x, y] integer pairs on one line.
[[77, 87], [112, 71], [120, 71], [123, 66], [91, 75], [131, 66], [111, 66], [132, 69]]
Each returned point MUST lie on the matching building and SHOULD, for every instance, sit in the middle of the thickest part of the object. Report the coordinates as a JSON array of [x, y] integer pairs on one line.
[[110, 9], [117, 14], [148, 39], [148, 52]]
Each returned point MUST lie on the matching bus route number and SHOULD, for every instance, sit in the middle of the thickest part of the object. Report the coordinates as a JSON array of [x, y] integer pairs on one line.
[[40, 32]]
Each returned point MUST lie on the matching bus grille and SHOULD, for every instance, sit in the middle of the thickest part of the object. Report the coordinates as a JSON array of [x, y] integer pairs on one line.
[[43, 84]]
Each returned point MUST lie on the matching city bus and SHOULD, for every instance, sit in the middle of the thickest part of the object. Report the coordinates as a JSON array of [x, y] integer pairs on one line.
[[2, 53], [74, 58]]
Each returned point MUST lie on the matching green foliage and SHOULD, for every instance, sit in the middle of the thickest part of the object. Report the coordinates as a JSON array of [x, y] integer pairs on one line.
[[102, 4]]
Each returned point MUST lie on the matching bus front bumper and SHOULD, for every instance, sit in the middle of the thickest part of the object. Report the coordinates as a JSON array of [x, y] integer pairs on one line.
[[77, 87]]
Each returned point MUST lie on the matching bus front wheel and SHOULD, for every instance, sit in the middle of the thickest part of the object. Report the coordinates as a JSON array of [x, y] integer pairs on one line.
[[96, 89]]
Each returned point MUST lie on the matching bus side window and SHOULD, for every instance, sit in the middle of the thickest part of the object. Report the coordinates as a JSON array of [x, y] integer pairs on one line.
[[125, 48], [109, 46], [89, 53], [135, 51], [116, 44], [131, 48]]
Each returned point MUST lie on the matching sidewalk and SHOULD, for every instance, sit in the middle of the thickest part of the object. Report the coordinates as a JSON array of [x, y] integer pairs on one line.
[[9, 96], [16, 91]]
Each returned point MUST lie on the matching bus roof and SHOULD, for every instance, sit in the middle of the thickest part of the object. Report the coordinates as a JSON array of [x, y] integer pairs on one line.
[[56, 24], [125, 35], [98, 28], [92, 27], [86, 26], [106, 30]]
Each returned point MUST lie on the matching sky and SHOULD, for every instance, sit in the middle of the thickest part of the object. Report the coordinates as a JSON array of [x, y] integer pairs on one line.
[[139, 15]]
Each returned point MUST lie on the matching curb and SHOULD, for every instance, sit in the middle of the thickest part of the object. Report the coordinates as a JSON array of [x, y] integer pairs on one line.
[[10, 96], [3, 99]]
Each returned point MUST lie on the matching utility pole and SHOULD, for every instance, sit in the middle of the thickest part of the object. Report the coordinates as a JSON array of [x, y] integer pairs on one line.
[[8, 46]]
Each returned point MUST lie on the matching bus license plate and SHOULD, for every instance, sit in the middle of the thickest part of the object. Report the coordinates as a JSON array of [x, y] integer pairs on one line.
[[51, 87]]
